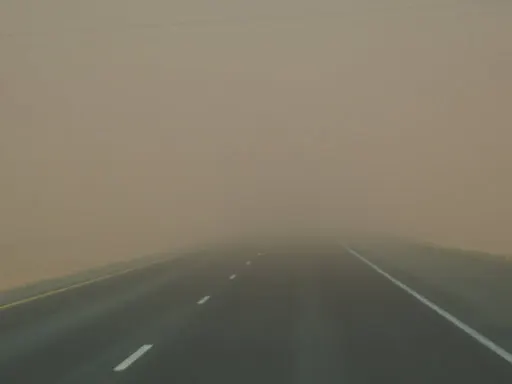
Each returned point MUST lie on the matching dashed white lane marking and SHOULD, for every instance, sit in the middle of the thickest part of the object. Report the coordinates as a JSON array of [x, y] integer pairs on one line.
[[248, 263], [131, 359], [452, 319], [203, 300], [232, 277]]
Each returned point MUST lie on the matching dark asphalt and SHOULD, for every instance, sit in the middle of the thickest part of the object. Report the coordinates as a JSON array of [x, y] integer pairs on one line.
[[313, 315]]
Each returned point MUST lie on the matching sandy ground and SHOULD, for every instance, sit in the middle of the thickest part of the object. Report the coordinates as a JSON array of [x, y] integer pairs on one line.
[[37, 261], [473, 286], [56, 272]]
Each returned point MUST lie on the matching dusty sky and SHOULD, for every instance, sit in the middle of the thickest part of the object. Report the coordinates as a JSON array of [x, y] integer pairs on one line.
[[130, 126]]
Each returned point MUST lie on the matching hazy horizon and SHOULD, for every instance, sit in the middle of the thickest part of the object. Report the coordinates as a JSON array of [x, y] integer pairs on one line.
[[131, 127]]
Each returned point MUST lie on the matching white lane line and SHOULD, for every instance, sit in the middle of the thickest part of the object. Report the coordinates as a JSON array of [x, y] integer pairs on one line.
[[131, 359], [232, 277], [452, 319], [248, 263], [203, 300]]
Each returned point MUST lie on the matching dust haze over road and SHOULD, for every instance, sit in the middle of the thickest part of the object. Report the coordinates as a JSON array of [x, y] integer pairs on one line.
[[129, 127]]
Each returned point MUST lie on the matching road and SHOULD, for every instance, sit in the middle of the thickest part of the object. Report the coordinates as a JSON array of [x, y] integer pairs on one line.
[[305, 315]]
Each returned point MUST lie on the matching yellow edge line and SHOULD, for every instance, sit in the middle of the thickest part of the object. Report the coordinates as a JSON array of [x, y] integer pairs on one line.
[[74, 286]]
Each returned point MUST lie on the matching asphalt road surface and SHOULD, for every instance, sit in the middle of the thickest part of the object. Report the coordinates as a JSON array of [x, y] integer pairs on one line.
[[309, 315]]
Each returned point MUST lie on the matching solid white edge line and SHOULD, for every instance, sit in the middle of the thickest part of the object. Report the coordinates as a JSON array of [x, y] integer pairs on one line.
[[203, 300], [134, 356], [464, 327], [232, 277]]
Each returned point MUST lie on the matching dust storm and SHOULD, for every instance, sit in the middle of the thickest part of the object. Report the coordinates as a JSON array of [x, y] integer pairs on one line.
[[131, 127]]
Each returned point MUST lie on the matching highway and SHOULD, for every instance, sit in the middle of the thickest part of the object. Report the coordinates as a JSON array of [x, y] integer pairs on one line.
[[301, 315]]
